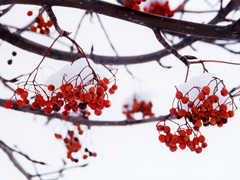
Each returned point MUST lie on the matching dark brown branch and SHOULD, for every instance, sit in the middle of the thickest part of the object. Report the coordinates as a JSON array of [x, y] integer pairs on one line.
[[22, 154], [9, 152], [168, 47], [77, 120], [31, 46], [34, 47], [141, 18], [53, 18], [60, 171]]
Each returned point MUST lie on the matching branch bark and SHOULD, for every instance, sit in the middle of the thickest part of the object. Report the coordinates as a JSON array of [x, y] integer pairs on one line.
[[77, 120], [141, 18], [14, 161]]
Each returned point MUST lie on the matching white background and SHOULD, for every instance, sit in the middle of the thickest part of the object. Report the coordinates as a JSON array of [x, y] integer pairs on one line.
[[132, 152]]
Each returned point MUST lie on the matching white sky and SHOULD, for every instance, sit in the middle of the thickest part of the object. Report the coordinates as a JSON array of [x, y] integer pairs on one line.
[[129, 153]]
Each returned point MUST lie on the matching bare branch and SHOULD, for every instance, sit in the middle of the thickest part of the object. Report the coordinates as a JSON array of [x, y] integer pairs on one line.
[[141, 18], [77, 120], [9, 152]]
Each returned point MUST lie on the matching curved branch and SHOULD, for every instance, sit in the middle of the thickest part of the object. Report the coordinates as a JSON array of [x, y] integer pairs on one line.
[[9, 152], [141, 18], [77, 120], [28, 45]]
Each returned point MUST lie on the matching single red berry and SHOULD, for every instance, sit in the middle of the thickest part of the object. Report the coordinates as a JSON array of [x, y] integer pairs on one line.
[[20, 103], [49, 23], [201, 139], [94, 154], [8, 104], [97, 112], [201, 96], [65, 114], [184, 100], [107, 103], [231, 113], [182, 133], [198, 150], [33, 28], [204, 145], [224, 92], [114, 87], [162, 138], [19, 91], [173, 111], [29, 13], [206, 90], [111, 91], [179, 94], [58, 136], [24, 95], [166, 129], [182, 146], [51, 87], [182, 112], [9, 62], [160, 127], [48, 110], [106, 81], [101, 83]]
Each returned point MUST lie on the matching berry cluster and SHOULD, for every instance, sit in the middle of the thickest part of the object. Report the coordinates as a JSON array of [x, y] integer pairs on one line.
[[159, 9], [138, 107], [73, 145], [69, 97], [182, 138], [40, 24], [133, 4], [209, 105]]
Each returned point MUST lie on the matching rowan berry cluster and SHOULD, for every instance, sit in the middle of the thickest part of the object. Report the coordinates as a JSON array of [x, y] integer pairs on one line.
[[40, 24], [73, 144], [198, 107], [133, 4], [160, 9], [138, 107], [70, 96], [182, 139]]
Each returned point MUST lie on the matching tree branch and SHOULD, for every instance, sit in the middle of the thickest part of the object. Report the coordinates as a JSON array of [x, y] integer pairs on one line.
[[141, 18], [9, 152], [23, 43], [77, 120]]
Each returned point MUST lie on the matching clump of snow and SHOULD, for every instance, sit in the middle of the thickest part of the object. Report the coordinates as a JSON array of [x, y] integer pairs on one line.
[[205, 79], [71, 70], [139, 95]]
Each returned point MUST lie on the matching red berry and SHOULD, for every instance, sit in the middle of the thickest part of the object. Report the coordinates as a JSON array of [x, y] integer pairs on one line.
[[179, 94], [173, 111], [51, 87], [162, 138], [224, 92], [20, 103], [111, 91], [206, 90], [65, 114], [8, 104], [184, 100], [166, 129], [97, 112], [29, 13], [114, 87], [19, 91]]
